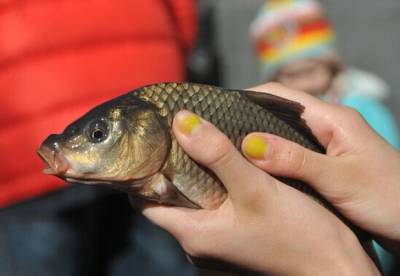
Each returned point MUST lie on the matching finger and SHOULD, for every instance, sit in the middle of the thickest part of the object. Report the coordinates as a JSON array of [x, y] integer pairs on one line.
[[167, 216], [319, 116], [281, 157], [326, 121], [210, 147]]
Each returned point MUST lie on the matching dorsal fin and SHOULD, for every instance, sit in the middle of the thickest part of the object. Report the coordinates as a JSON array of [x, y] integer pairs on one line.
[[286, 110]]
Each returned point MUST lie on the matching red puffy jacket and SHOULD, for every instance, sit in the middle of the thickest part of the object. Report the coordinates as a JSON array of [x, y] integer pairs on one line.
[[59, 58]]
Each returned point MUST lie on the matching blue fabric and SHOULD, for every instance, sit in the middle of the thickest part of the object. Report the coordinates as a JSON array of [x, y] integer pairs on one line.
[[37, 247], [150, 251], [377, 116], [98, 235]]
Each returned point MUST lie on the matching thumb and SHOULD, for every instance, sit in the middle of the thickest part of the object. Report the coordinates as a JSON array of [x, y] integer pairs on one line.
[[281, 157]]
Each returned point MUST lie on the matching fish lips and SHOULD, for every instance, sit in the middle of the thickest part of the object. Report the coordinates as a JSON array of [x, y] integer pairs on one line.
[[52, 155]]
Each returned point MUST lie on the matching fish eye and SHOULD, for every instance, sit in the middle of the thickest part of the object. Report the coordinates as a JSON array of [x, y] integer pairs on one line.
[[97, 131]]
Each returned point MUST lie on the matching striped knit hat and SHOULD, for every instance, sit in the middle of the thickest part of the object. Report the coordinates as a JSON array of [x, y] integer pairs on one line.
[[286, 31]]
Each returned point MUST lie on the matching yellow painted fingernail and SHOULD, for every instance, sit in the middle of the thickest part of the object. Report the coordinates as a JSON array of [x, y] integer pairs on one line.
[[255, 147], [189, 123]]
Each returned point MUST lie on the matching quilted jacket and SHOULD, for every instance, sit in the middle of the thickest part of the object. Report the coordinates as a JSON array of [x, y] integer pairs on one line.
[[59, 58]]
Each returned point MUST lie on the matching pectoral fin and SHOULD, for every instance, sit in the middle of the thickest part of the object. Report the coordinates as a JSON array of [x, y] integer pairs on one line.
[[162, 190]]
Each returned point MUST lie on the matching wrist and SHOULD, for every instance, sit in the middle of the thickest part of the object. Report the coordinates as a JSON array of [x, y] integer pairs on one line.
[[352, 258], [344, 256], [341, 255]]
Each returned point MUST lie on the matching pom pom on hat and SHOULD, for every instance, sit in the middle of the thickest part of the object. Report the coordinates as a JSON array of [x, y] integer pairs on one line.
[[286, 31]]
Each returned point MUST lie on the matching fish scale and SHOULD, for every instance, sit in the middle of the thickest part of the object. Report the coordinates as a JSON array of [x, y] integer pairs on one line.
[[231, 112]]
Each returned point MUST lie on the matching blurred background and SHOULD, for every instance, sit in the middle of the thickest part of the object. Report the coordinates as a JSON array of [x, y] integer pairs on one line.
[[368, 37], [58, 58]]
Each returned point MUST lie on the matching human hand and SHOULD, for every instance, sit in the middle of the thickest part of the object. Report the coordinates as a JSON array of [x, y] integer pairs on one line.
[[359, 174], [263, 225]]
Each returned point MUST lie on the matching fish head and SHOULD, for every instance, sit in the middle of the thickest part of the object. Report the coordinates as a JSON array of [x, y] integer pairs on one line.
[[120, 141]]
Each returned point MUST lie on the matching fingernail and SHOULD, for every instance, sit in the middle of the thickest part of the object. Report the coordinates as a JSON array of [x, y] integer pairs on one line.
[[188, 122], [255, 147]]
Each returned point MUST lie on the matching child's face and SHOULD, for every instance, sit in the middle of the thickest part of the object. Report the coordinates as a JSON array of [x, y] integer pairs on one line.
[[312, 76]]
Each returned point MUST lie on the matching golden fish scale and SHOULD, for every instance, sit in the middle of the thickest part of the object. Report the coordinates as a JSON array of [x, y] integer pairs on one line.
[[230, 111]]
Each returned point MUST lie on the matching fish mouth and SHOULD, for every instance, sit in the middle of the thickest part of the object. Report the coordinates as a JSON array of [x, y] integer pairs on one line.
[[56, 164]]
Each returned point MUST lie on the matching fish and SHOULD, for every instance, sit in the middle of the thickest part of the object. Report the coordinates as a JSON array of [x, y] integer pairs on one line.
[[127, 144]]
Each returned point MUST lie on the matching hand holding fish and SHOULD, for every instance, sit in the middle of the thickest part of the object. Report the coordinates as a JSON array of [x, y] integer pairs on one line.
[[359, 174], [233, 211], [263, 224]]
